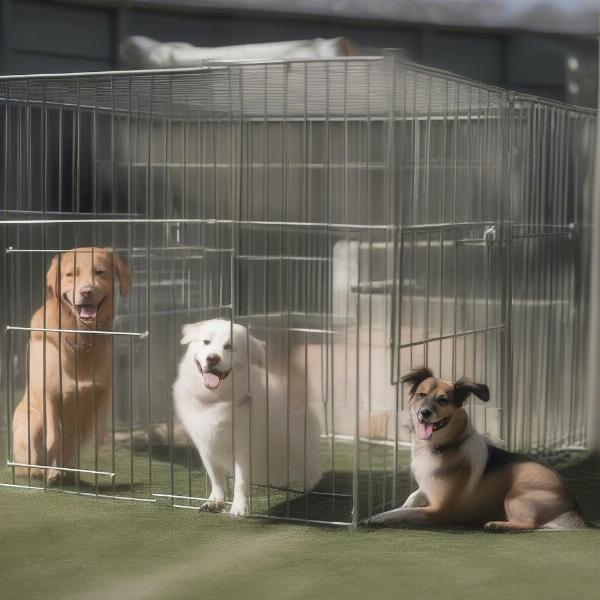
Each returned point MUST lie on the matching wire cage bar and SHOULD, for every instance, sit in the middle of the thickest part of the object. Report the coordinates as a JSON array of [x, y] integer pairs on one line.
[[359, 216]]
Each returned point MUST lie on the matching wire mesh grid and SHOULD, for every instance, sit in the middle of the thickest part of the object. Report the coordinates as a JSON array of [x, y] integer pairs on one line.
[[359, 216]]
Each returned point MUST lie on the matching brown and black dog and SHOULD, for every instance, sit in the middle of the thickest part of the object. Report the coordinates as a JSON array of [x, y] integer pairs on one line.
[[70, 374], [464, 480]]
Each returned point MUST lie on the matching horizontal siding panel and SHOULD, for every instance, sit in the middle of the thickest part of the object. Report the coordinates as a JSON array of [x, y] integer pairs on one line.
[[476, 56], [536, 61], [61, 29], [33, 62]]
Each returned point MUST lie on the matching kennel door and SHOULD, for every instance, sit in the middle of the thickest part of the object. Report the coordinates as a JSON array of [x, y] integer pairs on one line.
[[451, 309]]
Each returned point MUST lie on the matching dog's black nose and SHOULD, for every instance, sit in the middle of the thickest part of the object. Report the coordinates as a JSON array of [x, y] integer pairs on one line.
[[424, 413], [213, 359]]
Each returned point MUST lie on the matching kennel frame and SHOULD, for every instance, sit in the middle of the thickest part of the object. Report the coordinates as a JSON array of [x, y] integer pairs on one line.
[[490, 231]]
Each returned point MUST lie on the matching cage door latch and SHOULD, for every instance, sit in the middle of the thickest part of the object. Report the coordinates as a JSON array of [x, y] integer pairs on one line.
[[489, 234]]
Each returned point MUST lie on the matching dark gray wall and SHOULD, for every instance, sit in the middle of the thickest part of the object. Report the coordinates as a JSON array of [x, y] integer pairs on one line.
[[84, 36]]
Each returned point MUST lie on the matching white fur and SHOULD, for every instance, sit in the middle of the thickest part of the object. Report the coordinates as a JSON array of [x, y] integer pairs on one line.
[[475, 452], [229, 424], [405, 514], [423, 465], [569, 520], [416, 499]]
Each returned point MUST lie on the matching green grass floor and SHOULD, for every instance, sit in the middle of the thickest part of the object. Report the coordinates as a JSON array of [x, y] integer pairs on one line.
[[61, 546], [180, 473]]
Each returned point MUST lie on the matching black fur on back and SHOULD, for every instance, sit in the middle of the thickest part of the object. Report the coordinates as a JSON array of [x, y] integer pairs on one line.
[[498, 458]]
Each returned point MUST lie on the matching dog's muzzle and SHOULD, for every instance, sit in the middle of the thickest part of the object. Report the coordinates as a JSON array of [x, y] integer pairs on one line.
[[87, 310], [212, 378], [425, 429]]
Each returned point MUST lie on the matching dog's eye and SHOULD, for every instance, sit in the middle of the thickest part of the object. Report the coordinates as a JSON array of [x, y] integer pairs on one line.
[[206, 342], [442, 400], [68, 274], [227, 347], [421, 395], [99, 271]]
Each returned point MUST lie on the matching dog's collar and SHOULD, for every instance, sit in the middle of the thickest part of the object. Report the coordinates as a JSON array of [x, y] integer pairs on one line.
[[78, 347], [458, 441], [453, 445]]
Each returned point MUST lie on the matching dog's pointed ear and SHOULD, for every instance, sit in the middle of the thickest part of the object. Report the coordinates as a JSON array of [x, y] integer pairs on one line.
[[52, 278], [258, 351], [416, 377], [122, 273], [189, 332], [465, 386]]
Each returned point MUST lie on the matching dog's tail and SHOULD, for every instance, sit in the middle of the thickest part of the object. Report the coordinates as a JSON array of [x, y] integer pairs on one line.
[[568, 520]]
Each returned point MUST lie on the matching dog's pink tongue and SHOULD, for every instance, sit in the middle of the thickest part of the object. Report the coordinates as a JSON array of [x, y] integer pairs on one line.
[[88, 311], [425, 431], [211, 381]]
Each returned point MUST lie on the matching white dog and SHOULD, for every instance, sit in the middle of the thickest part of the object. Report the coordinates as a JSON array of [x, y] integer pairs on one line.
[[221, 388]]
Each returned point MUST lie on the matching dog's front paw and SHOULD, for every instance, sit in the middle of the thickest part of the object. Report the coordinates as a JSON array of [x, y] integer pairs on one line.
[[397, 517], [377, 519], [239, 508], [54, 477], [497, 527], [214, 506]]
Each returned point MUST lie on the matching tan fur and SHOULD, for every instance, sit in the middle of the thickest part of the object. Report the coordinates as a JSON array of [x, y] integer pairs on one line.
[[514, 493], [62, 366]]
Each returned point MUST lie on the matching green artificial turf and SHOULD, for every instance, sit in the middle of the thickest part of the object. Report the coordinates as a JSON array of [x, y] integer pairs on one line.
[[56, 545], [179, 472], [60, 546]]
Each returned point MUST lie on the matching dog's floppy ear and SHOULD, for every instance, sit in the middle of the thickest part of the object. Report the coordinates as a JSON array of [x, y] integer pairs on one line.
[[122, 273], [258, 352], [52, 282], [416, 377], [465, 386], [189, 332]]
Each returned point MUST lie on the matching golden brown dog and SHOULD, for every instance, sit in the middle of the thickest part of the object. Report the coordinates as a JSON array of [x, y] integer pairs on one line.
[[70, 376], [463, 480]]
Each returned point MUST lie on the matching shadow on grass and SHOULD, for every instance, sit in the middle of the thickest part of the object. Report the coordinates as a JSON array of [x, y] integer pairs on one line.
[[583, 478]]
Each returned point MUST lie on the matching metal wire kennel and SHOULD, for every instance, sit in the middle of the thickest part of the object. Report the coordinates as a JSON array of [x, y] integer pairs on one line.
[[359, 215]]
